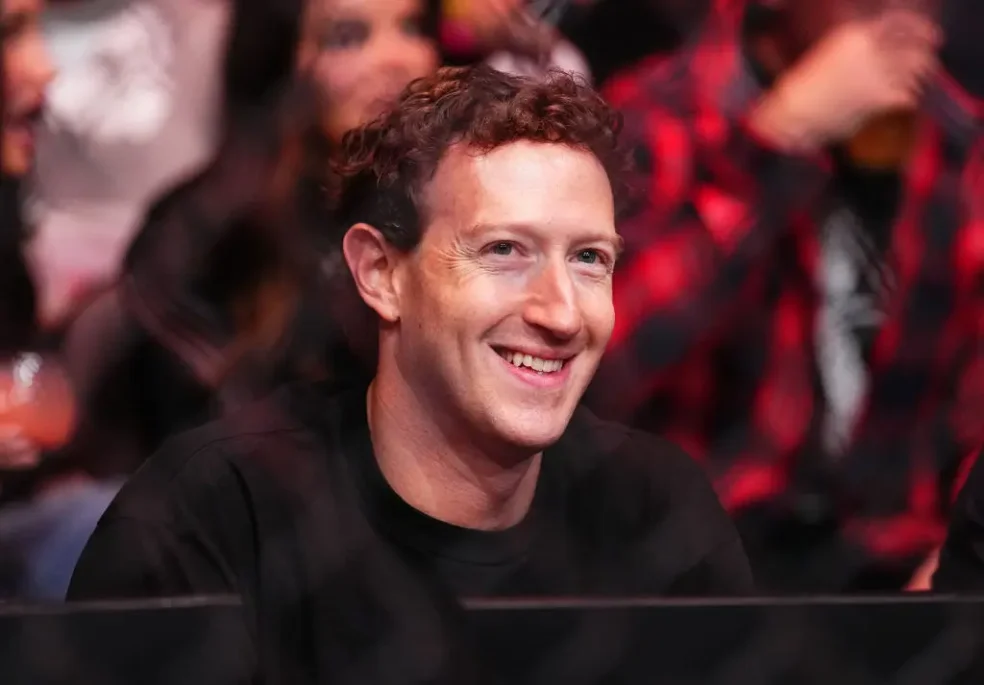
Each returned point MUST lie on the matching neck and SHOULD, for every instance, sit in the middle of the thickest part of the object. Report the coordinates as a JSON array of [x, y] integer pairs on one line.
[[444, 475]]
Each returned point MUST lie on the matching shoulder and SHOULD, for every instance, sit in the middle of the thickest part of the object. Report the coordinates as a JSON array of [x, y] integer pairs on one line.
[[637, 480], [651, 503], [197, 516], [266, 447]]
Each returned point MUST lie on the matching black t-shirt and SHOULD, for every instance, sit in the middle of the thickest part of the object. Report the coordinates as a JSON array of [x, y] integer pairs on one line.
[[284, 504]]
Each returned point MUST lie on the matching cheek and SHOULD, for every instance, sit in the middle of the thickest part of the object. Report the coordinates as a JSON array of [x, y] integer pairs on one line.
[[422, 60], [337, 78], [463, 300], [338, 90], [598, 311]]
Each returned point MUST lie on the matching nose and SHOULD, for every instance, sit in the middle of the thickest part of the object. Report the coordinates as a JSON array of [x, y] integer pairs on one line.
[[552, 304]]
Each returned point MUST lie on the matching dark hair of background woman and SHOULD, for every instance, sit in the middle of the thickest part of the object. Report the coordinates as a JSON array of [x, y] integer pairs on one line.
[[17, 295]]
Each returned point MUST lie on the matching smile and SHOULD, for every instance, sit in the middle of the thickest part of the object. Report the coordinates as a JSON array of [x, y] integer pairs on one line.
[[538, 364]]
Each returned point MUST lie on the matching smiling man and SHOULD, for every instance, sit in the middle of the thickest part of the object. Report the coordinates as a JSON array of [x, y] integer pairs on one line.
[[481, 214]]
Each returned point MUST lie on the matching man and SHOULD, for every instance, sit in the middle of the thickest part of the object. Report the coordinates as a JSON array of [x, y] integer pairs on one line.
[[481, 216], [815, 147]]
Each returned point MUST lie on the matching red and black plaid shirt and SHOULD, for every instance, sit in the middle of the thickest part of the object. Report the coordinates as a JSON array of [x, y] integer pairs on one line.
[[716, 299]]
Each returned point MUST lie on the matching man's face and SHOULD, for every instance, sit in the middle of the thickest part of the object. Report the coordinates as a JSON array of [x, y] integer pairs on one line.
[[506, 304]]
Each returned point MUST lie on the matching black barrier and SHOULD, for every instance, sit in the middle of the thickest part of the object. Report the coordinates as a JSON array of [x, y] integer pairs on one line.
[[195, 641], [836, 641]]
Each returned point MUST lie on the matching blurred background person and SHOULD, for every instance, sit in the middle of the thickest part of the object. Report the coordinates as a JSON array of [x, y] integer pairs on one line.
[[134, 110], [594, 38], [361, 54], [959, 567], [219, 298], [516, 36], [40, 539], [615, 34], [796, 303]]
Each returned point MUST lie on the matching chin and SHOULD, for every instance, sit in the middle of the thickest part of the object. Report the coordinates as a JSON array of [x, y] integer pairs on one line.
[[532, 431]]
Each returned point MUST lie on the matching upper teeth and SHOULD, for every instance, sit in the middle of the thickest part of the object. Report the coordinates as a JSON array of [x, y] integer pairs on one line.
[[535, 363]]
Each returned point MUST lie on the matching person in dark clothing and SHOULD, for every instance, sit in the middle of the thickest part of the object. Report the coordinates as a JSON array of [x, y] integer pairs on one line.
[[40, 537], [615, 34], [960, 567], [798, 307], [962, 556], [481, 214], [26, 70]]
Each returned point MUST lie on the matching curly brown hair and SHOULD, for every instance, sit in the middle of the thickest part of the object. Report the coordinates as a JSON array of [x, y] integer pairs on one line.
[[382, 167]]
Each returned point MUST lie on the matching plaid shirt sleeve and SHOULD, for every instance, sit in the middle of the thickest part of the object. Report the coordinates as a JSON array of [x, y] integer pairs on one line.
[[961, 562], [926, 404], [711, 198]]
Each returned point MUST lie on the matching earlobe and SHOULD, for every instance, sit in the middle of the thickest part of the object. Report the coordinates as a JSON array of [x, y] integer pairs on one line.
[[370, 260]]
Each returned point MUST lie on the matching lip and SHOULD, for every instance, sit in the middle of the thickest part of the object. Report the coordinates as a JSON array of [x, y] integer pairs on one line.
[[536, 379]]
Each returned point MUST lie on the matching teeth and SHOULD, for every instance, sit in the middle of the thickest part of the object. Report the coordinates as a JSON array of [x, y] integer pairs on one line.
[[536, 363]]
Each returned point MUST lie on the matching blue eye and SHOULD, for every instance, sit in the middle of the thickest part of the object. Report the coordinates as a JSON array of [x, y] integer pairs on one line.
[[589, 256], [501, 249]]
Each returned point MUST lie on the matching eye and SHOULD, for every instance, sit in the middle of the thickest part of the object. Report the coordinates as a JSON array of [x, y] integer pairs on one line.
[[343, 35], [592, 256], [502, 249], [414, 26], [589, 256]]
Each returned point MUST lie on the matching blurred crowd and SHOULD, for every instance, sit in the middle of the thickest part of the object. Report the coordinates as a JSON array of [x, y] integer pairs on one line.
[[808, 326]]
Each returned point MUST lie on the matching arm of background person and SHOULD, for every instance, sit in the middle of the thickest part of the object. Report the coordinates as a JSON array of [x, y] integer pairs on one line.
[[961, 560], [706, 212]]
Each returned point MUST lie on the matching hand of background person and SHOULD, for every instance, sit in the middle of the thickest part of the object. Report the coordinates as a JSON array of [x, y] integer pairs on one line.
[[922, 579], [37, 410], [860, 70], [17, 452]]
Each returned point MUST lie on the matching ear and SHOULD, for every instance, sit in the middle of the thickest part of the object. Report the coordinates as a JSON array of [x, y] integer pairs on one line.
[[372, 261]]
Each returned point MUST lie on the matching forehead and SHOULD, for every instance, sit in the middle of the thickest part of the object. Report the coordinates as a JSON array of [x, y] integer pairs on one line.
[[366, 9], [534, 184]]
